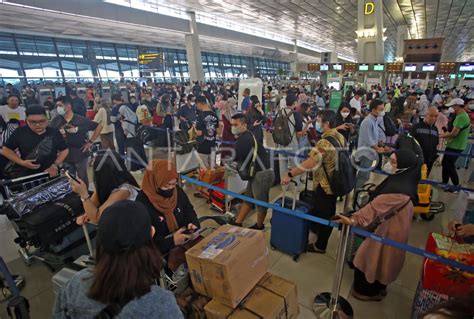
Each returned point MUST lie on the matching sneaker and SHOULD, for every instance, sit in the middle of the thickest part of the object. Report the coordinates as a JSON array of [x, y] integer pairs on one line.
[[311, 248], [362, 297], [452, 189], [198, 195], [256, 227], [234, 223]]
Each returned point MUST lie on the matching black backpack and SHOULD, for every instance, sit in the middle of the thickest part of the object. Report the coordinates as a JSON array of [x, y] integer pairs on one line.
[[281, 128], [390, 126], [344, 177]]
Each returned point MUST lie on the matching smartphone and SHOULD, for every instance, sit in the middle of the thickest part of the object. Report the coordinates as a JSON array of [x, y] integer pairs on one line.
[[71, 176], [192, 236]]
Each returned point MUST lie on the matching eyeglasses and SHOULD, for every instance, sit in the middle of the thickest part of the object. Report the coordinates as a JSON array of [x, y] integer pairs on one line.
[[38, 123]]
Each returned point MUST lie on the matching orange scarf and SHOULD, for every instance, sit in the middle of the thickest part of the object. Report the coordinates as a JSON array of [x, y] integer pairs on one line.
[[158, 174]]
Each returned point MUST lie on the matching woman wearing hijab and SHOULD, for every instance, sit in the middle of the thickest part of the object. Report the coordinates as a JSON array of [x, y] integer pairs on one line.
[[169, 207], [390, 213]]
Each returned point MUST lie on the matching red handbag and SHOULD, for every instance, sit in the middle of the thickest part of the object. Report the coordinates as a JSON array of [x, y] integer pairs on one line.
[[445, 279]]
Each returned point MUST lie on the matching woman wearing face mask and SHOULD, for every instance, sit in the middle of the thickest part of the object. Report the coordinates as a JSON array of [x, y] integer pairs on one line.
[[256, 118], [392, 202], [169, 207], [344, 122]]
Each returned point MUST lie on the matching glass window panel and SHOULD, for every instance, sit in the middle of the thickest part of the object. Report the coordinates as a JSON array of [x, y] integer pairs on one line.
[[26, 46], [9, 68], [45, 47], [51, 69], [7, 46]]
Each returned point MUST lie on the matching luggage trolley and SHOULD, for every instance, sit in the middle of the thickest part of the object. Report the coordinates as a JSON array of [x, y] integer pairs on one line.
[[65, 239], [179, 280]]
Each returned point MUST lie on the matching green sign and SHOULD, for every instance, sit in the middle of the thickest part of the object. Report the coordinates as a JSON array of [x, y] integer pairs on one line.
[[335, 100]]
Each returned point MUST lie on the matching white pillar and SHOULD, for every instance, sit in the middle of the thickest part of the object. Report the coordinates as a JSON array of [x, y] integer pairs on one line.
[[294, 61], [402, 35], [193, 51], [370, 32]]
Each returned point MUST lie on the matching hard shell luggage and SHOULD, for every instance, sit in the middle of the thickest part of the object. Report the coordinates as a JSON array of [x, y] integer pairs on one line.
[[65, 274], [289, 234]]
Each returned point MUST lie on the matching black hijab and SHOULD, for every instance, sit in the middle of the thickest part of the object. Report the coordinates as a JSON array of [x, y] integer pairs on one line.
[[405, 180]]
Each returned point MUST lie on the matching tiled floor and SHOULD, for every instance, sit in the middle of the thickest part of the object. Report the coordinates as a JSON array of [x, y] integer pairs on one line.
[[312, 273]]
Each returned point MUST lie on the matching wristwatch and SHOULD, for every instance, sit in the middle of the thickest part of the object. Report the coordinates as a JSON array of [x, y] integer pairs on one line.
[[85, 199]]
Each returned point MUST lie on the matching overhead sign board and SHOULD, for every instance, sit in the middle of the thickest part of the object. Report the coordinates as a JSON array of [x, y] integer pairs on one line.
[[151, 61]]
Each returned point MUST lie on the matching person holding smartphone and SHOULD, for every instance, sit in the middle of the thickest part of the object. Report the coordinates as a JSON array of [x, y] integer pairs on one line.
[[171, 212], [256, 118]]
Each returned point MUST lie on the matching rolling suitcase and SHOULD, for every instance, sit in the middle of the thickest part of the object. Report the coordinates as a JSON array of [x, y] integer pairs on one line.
[[217, 198], [290, 234]]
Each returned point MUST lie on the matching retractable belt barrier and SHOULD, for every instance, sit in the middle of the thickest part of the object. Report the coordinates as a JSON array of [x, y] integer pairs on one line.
[[355, 230], [442, 152], [423, 181]]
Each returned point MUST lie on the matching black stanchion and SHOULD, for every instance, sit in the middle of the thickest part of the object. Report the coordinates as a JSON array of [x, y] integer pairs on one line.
[[329, 305]]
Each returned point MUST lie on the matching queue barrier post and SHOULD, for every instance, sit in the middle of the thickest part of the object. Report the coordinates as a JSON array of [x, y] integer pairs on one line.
[[330, 305]]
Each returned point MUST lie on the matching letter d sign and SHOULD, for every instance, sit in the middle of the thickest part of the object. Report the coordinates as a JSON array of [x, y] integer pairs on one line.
[[369, 8]]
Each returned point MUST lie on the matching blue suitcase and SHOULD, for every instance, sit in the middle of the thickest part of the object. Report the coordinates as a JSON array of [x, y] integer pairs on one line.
[[289, 234]]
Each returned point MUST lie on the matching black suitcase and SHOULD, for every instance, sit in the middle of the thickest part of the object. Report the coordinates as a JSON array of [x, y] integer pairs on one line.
[[49, 224]]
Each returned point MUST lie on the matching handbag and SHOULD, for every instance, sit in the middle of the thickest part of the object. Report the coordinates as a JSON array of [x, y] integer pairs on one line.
[[248, 171], [41, 151], [379, 220]]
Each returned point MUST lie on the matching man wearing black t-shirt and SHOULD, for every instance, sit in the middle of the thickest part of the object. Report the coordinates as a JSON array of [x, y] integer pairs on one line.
[[260, 184], [206, 131], [27, 138], [75, 129]]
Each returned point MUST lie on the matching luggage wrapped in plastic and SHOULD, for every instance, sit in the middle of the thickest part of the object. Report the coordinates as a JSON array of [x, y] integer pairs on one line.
[[26, 202]]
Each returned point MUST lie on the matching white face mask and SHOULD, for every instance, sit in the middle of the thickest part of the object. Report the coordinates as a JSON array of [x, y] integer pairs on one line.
[[60, 110], [345, 114], [382, 114], [451, 110], [388, 168], [471, 107]]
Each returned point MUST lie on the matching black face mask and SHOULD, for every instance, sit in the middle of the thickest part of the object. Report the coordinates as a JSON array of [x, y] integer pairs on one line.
[[165, 193]]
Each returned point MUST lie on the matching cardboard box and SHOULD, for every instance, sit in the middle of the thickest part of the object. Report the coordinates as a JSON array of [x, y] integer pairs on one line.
[[260, 303], [265, 304], [216, 310], [228, 263], [243, 314], [285, 289]]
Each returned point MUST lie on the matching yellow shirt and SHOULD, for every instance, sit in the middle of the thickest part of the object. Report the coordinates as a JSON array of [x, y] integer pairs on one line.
[[325, 152]]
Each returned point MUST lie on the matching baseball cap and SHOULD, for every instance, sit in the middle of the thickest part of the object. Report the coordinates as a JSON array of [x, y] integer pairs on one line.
[[123, 226], [456, 101]]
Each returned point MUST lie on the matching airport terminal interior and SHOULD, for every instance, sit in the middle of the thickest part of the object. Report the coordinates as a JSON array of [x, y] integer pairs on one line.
[[293, 158]]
